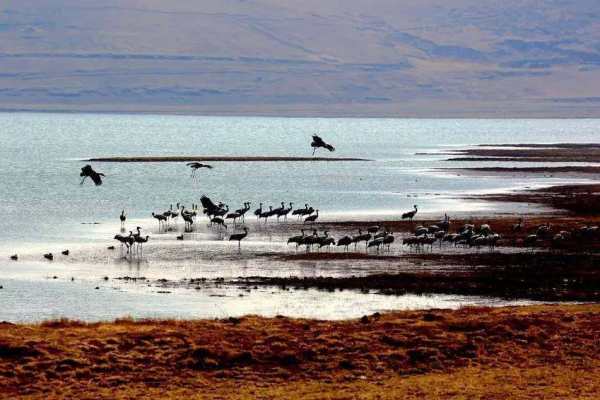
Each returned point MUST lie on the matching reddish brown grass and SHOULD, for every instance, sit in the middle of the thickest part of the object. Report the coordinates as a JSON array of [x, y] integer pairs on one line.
[[279, 356]]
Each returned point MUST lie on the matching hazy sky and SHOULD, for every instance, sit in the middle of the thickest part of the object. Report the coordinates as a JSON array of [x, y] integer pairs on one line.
[[326, 57]]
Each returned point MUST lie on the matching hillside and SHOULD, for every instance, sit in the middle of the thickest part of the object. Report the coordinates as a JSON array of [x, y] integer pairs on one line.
[[410, 58]]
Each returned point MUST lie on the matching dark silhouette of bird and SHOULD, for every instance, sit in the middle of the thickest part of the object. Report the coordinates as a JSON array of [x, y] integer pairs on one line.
[[123, 218], [445, 224], [388, 240], [361, 237], [161, 219], [373, 229], [411, 214], [140, 241], [65, 252], [234, 216], [300, 211], [174, 214], [242, 211], [211, 209], [310, 240], [325, 240], [266, 214], [207, 202], [382, 234], [318, 142], [375, 243], [188, 219], [180, 237], [88, 172], [345, 241], [312, 218], [123, 240], [221, 211], [130, 240], [276, 211], [219, 222], [239, 237], [49, 256], [195, 166], [14, 257], [284, 212], [258, 211], [297, 239]]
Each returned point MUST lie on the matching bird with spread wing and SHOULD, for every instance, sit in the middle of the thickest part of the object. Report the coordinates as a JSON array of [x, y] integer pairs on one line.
[[195, 166], [318, 142], [88, 172]]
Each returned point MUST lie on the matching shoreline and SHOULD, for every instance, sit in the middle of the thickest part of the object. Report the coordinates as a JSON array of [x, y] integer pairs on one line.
[[581, 199], [551, 152], [533, 170]]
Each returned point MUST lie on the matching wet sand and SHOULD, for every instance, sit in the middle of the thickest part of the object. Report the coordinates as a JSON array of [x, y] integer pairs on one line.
[[540, 351], [577, 199], [572, 171], [558, 152], [531, 276]]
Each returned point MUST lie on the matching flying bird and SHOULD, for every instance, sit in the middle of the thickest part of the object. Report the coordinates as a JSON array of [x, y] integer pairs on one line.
[[318, 142], [88, 172], [195, 166]]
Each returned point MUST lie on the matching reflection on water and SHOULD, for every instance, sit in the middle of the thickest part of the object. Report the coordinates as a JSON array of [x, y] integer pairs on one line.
[[27, 301]]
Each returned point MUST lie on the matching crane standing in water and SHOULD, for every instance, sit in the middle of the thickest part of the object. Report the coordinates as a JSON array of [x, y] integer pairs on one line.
[[411, 214], [239, 237], [123, 218]]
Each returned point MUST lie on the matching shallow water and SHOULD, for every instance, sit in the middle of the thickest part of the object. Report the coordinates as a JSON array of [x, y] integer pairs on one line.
[[45, 209], [32, 301]]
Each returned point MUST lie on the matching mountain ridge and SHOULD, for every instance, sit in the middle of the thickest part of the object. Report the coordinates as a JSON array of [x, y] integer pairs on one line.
[[328, 58]]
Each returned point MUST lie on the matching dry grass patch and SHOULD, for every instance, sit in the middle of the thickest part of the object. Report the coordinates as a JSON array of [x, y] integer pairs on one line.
[[434, 353]]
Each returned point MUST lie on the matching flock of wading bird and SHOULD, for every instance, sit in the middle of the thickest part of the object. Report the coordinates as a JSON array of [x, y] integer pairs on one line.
[[218, 215], [376, 237]]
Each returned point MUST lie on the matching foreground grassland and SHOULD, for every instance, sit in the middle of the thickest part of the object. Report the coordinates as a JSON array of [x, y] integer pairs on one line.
[[530, 352]]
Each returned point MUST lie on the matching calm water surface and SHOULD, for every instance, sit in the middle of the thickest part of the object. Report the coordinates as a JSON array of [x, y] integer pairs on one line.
[[44, 207]]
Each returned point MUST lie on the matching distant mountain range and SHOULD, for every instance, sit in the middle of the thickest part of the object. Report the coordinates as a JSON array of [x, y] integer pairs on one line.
[[422, 58]]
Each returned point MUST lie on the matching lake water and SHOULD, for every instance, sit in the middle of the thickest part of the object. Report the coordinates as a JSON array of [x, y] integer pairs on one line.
[[44, 208]]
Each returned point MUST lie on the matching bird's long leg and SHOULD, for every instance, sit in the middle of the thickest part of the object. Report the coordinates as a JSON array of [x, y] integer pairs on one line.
[[83, 180], [314, 149]]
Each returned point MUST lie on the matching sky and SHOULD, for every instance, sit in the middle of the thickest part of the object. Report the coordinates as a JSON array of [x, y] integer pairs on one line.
[[426, 58]]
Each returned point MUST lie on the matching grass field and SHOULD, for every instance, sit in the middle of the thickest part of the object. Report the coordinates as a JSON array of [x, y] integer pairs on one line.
[[530, 352]]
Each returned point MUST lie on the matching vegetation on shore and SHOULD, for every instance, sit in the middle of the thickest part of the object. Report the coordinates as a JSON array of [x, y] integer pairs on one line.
[[533, 276], [559, 152], [481, 352]]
